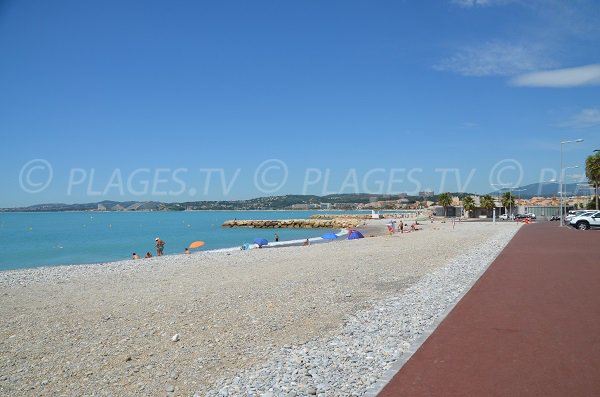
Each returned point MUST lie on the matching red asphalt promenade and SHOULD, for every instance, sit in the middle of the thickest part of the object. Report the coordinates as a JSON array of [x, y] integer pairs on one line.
[[530, 326]]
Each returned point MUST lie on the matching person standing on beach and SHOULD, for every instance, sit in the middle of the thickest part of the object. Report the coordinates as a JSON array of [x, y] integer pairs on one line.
[[160, 246], [276, 237], [401, 226]]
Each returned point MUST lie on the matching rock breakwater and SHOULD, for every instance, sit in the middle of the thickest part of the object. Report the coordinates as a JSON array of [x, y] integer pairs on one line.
[[337, 223]]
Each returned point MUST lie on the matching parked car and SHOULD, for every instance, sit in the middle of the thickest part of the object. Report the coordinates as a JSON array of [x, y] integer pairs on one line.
[[573, 214], [555, 218], [530, 215], [586, 220], [503, 217]]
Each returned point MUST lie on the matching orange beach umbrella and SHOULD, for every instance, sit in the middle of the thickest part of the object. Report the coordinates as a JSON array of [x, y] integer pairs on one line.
[[197, 244]]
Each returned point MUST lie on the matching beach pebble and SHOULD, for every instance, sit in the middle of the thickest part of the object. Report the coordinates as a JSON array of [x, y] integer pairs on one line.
[[350, 361], [281, 322]]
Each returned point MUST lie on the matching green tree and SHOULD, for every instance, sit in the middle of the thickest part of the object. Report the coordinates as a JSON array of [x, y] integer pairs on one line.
[[592, 172], [444, 200], [508, 201], [487, 202], [468, 204]]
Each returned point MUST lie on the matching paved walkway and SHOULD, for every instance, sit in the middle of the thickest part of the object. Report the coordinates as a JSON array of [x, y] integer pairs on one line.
[[529, 327]]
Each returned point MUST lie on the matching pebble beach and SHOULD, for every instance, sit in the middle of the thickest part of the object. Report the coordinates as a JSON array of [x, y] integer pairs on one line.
[[327, 319]]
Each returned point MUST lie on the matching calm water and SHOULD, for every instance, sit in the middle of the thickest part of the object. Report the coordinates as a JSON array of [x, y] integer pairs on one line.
[[37, 239]]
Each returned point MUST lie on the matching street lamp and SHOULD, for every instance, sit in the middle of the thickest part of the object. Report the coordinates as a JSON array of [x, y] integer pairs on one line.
[[595, 186], [562, 193], [519, 194], [499, 186], [562, 223]]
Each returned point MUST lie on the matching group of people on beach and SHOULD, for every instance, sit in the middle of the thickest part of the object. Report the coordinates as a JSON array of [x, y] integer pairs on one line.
[[401, 226], [160, 246]]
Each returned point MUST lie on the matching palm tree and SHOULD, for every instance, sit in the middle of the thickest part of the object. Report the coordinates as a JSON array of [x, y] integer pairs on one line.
[[468, 204], [592, 172], [444, 200], [508, 201], [487, 202]]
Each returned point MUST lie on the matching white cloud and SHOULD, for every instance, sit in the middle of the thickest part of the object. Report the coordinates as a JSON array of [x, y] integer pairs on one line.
[[571, 77], [479, 3], [586, 118], [495, 59]]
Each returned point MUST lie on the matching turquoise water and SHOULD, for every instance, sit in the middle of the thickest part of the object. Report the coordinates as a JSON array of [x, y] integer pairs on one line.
[[57, 238]]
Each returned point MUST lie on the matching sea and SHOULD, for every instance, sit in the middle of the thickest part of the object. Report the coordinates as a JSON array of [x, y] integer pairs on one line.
[[64, 238]]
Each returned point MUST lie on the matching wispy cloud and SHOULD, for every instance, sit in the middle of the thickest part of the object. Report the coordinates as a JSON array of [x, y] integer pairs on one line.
[[479, 3], [495, 59], [469, 125], [549, 34], [586, 118], [570, 77]]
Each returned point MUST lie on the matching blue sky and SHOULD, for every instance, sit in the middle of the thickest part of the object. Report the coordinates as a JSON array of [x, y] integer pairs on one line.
[[199, 100]]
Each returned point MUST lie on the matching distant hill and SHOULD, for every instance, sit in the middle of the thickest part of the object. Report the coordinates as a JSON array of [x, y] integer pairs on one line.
[[343, 201], [107, 204], [260, 203], [549, 189]]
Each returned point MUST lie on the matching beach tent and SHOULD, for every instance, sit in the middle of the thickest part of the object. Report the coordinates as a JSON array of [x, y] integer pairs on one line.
[[260, 241], [354, 235], [329, 236]]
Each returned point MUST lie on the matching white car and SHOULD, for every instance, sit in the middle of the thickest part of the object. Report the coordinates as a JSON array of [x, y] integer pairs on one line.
[[503, 217], [586, 220], [573, 214]]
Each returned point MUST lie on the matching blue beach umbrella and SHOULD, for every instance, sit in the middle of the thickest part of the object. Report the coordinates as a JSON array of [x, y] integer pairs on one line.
[[329, 236], [260, 241], [354, 235]]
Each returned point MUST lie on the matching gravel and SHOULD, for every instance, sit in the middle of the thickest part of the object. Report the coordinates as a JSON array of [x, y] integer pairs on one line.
[[370, 341], [322, 320]]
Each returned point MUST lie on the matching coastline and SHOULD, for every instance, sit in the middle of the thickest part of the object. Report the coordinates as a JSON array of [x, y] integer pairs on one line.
[[108, 329], [87, 238]]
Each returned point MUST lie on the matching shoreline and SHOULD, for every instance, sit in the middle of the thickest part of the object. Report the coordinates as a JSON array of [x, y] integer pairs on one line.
[[81, 258], [273, 244], [109, 329]]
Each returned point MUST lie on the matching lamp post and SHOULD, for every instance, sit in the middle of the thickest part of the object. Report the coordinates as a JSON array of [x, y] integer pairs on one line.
[[562, 193], [519, 194], [596, 186], [562, 222], [499, 186]]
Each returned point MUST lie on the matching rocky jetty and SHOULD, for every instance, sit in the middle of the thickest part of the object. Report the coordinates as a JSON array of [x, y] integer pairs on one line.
[[337, 223], [341, 216], [410, 215]]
